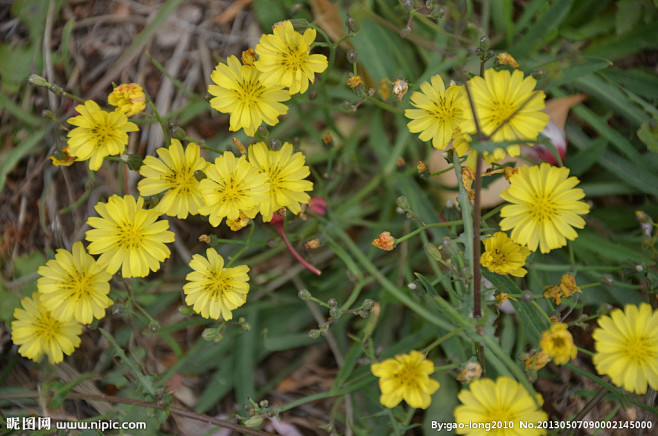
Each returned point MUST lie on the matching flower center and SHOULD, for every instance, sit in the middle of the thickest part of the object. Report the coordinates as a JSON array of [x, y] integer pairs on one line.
[[217, 285], [78, 285], [558, 342], [102, 133], [497, 257], [443, 112], [640, 349], [130, 236], [249, 92], [46, 326], [542, 208], [502, 111], [293, 59], [408, 376], [232, 191], [181, 181]]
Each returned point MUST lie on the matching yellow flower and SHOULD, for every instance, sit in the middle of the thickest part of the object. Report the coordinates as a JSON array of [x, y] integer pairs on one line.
[[286, 174], [74, 286], [173, 174], [502, 297], [472, 371], [98, 134], [284, 58], [38, 333], [128, 237], [507, 59], [545, 207], [626, 345], [508, 108], [489, 402], [504, 256], [566, 288], [537, 360], [240, 91], [62, 157], [212, 290], [557, 342], [128, 98], [384, 241], [353, 81], [439, 112], [239, 223], [406, 378], [232, 186]]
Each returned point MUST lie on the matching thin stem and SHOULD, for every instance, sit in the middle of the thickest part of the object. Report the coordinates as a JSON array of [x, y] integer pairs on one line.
[[279, 228], [441, 340], [165, 131], [477, 280], [383, 105], [427, 226]]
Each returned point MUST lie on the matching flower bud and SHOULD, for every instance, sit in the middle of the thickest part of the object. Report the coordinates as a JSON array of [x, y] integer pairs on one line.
[[403, 203], [133, 161], [185, 310], [352, 24], [405, 32], [304, 294], [607, 280], [485, 43], [37, 80], [367, 304], [314, 334], [332, 302], [352, 57], [335, 313], [254, 422], [527, 296], [200, 175]]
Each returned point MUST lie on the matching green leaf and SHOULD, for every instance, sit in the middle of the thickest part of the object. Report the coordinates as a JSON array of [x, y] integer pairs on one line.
[[545, 24], [8, 302], [531, 320], [578, 68], [15, 67], [10, 158]]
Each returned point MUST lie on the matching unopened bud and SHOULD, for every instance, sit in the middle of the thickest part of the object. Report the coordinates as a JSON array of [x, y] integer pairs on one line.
[[254, 421], [37, 80], [407, 5], [538, 74], [312, 95], [367, 304], [177, 132], [335, 313], [364, 313], [185, 310], [352, 24], [450, 247], [349, 107], [352, 57], [275, 144], [607, 280], [332, 302], [403, 203], [264, 404], [314, 334], [527, 296], [263, 132], [433, 252], [304, 294], [200, 175], [133, 161], [405, 32], [485, 43], [212, 334]]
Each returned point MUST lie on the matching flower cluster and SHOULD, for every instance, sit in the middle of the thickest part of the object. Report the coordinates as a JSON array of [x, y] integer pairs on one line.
[[502, 106], [253, 91]]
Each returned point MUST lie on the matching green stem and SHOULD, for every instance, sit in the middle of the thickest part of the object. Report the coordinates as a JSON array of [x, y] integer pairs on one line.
[[163, 125], [441, 340], [427, 226], [383, 105]]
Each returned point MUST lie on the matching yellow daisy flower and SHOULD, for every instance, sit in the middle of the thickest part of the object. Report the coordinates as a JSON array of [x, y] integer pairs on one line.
[[508, 108], [173, 174], [212, 290], [626, 345], [232, 186], [240, 91], [557, 342], [286, 174], [502, 401], [284, 58], [38, 333], [74, 286], [504, 256], [129, 99], [545, 207], [98, 134], [128, 237], [440, 111], [406, 378]]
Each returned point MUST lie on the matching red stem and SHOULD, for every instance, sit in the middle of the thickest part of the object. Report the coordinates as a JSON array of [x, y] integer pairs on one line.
[[279, 228]]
